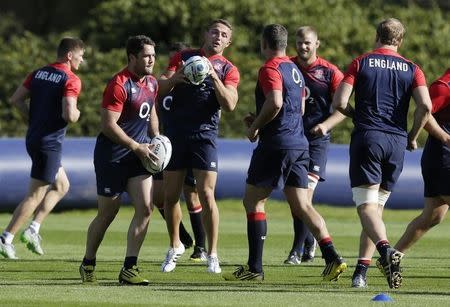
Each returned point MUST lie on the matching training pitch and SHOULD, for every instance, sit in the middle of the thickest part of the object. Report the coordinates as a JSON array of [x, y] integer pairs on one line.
[[53, 279]]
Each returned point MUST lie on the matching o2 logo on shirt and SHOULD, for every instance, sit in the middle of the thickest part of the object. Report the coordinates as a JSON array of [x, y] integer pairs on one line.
[[296, 77], [167, 102], [144, 111], [308, 98]]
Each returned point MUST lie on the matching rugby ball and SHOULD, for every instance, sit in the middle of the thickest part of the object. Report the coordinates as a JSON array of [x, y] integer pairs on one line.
[[163, 150], [196, 69]]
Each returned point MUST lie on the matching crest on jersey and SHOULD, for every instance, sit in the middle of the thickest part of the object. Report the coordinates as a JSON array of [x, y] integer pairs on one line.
[[217, 66], [151, 87], [318, 74]]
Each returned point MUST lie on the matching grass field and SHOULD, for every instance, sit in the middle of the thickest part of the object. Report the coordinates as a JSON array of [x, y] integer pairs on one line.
[[53, 279]]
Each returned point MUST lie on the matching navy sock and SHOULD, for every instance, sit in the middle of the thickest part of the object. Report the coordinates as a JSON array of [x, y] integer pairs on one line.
[[256, 234], [197, 226], [89, 261], [362, 266], [328, 251], [300, 233], [382, 247], [309, 240], [129, 262]]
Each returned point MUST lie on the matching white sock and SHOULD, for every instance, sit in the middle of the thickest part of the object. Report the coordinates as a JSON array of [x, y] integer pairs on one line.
[[213, 255], [9, 237], [35, 226]]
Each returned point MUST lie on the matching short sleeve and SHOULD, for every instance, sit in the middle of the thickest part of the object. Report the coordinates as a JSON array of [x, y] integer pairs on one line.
[[114, 97], [351, 73], [270, 79]]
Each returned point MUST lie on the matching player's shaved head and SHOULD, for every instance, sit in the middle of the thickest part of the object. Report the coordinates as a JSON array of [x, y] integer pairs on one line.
[[390, 32], [303, 31]]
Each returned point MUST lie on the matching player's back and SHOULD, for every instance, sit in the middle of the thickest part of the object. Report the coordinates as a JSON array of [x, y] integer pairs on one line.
[[285, 131], [383, 89], [46, 86]]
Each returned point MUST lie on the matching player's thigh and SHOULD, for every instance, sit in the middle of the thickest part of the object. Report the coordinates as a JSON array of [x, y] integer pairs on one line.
[[62, 181], [108, 207], [173, 185], [318, 154], [392, 165], [266, 169], [204, 155], [181, 158], [366, 154], [158, 191], [255, 198], [45, 164], [138, 189]]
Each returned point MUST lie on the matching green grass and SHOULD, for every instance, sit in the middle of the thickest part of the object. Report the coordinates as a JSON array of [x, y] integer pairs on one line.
[[53, 280]]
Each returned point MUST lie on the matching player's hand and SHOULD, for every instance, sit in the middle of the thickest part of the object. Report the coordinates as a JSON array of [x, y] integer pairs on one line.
[[319, 130], [179, 77], [212, 71], [249, 119], [145, 151], [412, 145], [252, 134]]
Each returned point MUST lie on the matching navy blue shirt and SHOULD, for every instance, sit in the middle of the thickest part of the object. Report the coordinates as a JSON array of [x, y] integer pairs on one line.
[[133, 99], [285, 131], [48, 85], [321, 81], [195, 111], [383, 82]]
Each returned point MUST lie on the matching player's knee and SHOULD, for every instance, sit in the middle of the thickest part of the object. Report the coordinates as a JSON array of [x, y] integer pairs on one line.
[[365, 196], [62, 185], [436, 219]]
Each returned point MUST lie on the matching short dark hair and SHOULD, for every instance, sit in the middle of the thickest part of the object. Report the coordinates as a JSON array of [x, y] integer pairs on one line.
[[276, 36], [136, 43], [178, 46], [68, 44], [390, 32], [221, 21]]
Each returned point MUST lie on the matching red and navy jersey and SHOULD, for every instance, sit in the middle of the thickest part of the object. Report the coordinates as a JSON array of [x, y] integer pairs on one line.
[[440, 98], [321, 81], [133, 99], [285, 131], [48, 85], [195, 110], [383, 82]]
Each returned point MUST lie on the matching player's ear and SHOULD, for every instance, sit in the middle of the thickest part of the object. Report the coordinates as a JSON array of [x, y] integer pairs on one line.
[[318, 43], [69, 55]]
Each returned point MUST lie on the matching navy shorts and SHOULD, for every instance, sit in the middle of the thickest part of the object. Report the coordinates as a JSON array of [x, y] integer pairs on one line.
[[112, 177], [44, 163], [188, 180], [277, 168], [193, 154], [436, 168], [376, 158], [318, 153]]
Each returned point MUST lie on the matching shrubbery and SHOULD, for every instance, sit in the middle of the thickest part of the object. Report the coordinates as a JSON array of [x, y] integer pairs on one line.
[[346, 29]]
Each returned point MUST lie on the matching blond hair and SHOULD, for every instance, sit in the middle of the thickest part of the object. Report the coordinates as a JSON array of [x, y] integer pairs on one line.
[[390, 32]]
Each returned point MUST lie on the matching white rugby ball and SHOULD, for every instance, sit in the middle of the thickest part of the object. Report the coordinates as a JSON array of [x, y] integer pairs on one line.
[[163, 150], [196, 69]]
